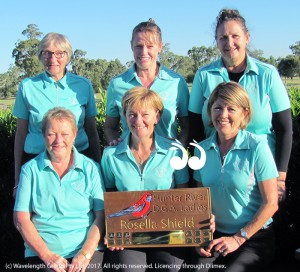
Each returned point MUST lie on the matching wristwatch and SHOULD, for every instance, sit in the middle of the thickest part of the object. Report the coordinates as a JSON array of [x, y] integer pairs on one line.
[[86, 254], [244, 234]]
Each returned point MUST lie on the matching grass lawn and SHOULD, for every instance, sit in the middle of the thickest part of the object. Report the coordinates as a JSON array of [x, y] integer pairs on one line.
[[295, 82]]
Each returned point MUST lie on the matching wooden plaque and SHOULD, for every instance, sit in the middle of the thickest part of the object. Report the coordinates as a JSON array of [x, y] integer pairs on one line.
[[160, 218]]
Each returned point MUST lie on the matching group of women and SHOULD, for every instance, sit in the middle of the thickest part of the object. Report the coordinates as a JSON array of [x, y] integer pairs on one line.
[[238, 108]]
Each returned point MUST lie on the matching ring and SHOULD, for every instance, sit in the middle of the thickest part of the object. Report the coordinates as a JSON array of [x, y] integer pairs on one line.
[[221, 251]]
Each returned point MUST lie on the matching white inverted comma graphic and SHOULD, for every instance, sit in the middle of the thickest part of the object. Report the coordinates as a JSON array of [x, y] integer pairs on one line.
[[194, 162]]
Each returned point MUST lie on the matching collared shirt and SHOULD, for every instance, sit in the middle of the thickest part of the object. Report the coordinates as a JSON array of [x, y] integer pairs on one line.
[[262, 82], [170, 86], [38, 94], [61, 210], [235, 195], [120, 169]]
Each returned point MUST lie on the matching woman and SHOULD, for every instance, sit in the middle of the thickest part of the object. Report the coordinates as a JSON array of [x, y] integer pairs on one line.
[[142, 162], [146, 44], [241, 173], [269, 99], [54, 87], [59, 204]]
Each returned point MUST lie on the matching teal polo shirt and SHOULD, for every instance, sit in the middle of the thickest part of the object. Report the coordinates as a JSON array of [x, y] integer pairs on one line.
[[38, 94], [121, 171], [170, 86], [61, 210], [235, 195], [262, 82]]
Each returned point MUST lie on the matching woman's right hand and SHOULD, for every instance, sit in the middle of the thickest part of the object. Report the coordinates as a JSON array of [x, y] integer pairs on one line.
[[55, 262], [115, 142], [203, 252], [112, 248]]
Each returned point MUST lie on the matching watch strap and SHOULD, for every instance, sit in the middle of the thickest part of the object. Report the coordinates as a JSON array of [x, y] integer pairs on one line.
[[85, 254]]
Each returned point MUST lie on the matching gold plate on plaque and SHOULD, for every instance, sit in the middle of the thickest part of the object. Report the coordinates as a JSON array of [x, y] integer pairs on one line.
[[175, 217]]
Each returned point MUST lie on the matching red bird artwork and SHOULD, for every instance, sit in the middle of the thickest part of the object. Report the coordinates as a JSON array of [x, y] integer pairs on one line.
[[138, 209]]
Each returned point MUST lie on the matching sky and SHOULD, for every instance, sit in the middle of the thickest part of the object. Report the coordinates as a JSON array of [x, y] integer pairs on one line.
[[103, 28]]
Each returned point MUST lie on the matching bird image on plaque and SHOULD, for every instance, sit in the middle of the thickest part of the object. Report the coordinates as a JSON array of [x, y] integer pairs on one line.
[[158, 218]]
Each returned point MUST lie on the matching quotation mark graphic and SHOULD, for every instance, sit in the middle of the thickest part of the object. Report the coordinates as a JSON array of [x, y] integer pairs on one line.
[[194, 162]]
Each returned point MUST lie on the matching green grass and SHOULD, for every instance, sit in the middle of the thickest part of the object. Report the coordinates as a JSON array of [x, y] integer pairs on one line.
[[295, 82], [7, 102]]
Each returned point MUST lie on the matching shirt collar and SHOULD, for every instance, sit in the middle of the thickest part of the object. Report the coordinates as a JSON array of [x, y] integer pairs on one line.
[[159, 143], [62, 82], [242, 141], [218, 66], [45, 162], [162, 73]]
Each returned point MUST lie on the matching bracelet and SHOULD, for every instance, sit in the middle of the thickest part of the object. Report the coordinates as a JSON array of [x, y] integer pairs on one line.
[[15, 187], [237, 240]]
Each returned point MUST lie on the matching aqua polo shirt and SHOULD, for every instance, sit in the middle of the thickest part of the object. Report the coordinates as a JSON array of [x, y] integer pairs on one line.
[[170, 86], [121, 171], [235, 195], [61, 210], [263, 84], [38, 94]]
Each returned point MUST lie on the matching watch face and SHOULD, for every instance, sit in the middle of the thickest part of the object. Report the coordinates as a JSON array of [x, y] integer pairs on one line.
[[88, 256], [244, 234]]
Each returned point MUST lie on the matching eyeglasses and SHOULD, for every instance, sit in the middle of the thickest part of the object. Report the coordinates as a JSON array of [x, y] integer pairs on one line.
[[57, 54]]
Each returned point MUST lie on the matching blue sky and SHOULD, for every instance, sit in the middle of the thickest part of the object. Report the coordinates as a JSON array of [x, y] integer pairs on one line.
[[103, 28]]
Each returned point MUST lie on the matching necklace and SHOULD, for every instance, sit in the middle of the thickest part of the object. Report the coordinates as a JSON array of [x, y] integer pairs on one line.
[[140, 162]]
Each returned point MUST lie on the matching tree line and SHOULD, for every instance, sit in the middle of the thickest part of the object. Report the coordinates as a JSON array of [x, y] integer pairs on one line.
[[101, 71]]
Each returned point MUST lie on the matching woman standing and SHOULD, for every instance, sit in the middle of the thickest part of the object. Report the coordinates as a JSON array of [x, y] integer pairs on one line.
[[269, 99], [146, 44], [52, 88]]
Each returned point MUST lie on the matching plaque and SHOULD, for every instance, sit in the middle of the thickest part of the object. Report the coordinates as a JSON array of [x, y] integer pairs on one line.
[[159, 218]]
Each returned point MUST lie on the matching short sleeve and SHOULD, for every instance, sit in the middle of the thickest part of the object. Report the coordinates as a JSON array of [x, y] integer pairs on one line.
[[20, 109], [109, 179], [279, 98], [91, 109], [196, 173], [183, 98], [23, 199], [265, 167], [98, 188], [196, 96], [111, 108]]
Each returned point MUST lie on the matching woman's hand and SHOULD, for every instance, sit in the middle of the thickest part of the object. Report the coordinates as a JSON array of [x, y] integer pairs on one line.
[[224, 245], [55, 262], [212, 223], [112, 248], [79, 263], [203, 252], [115, 142]]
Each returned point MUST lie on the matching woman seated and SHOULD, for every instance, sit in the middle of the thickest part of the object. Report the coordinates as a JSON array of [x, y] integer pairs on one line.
[[142, 162], [241, 173], [59, 204]]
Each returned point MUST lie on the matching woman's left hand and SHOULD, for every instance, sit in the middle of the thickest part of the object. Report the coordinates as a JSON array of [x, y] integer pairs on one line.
[[79, 263], [212, 223], [223, 245]]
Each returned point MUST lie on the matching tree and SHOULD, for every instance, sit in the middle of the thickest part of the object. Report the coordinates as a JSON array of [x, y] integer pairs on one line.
[[25, 52], [114, 68], [296, 48], [78, 62], [257, 53], [202, 55], [9, 82], [289, 66]]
